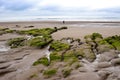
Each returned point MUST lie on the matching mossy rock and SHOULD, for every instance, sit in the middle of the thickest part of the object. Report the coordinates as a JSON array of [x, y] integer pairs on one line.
[[93, 37], [114, 41], [96, 36], [16, 42], [37, 32], [5, 31], [43, 61], [88, 38], [89, 55], [40, 42], [2, 32], [33, 75], [55, 56], [61, 28], [10, 31], [59, 46], [76, 65], [79, 52], [72, 61], [66, 72], [49, 73], [70, 57]]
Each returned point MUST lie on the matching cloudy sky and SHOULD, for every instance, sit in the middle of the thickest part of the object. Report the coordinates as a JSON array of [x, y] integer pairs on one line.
[[59, 7]]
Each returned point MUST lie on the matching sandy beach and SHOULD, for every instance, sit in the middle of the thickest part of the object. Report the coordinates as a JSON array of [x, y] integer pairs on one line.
[[16, 64], [76, 29]]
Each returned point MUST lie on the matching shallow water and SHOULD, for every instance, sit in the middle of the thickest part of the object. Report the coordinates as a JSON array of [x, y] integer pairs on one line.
[[92, 24], [96, 61], [89, 66], [3, 46], [119, 55], [47, 53]]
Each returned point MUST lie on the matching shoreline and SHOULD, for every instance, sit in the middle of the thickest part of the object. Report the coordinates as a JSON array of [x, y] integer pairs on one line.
[[60, 23], [81, 21]]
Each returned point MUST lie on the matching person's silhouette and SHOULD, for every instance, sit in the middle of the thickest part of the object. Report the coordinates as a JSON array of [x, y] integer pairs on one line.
[[63, 22]]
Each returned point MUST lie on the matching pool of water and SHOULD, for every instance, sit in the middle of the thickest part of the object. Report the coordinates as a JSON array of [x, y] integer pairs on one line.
[[3, 46]]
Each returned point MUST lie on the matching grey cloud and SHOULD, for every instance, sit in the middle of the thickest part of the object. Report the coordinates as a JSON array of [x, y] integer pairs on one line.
[[15, 4]]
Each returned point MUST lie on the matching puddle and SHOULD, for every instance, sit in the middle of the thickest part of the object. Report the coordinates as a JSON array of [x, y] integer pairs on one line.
[[3, 46], [96, 61], [91, 66], [48, 53]]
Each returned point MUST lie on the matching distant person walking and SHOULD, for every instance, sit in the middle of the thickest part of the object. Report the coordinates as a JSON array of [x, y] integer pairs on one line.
[[63, 22]]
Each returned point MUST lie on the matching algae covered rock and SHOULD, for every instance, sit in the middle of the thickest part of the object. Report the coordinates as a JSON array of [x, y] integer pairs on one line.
[[40, 42], [59, 46], [16, 42]]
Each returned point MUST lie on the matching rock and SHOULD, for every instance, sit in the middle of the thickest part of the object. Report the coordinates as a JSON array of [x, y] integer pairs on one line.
[[79, 57], [84, 76], [103, 74], [89, 55], [3, 66], [103, 65], [107, 56], [115, 61], [3, 61], [21, 57], [29, 26], [4, 71], [103, 48], [17, 26], [82, 69], [118, 77], [113, 76]]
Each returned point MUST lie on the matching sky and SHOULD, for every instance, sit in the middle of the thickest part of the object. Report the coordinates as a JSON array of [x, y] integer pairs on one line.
[[17, 8]]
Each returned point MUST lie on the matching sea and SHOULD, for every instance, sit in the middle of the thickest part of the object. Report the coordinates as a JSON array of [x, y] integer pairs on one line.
[[58, 18]]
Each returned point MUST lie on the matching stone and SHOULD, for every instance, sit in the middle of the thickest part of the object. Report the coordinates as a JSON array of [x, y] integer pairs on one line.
[[115, 61], [82, 69], [103, 65], [118, 77], [103, 74], [4, 71], [113, 76], [3, 66], [84, 76], [107, 56]]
